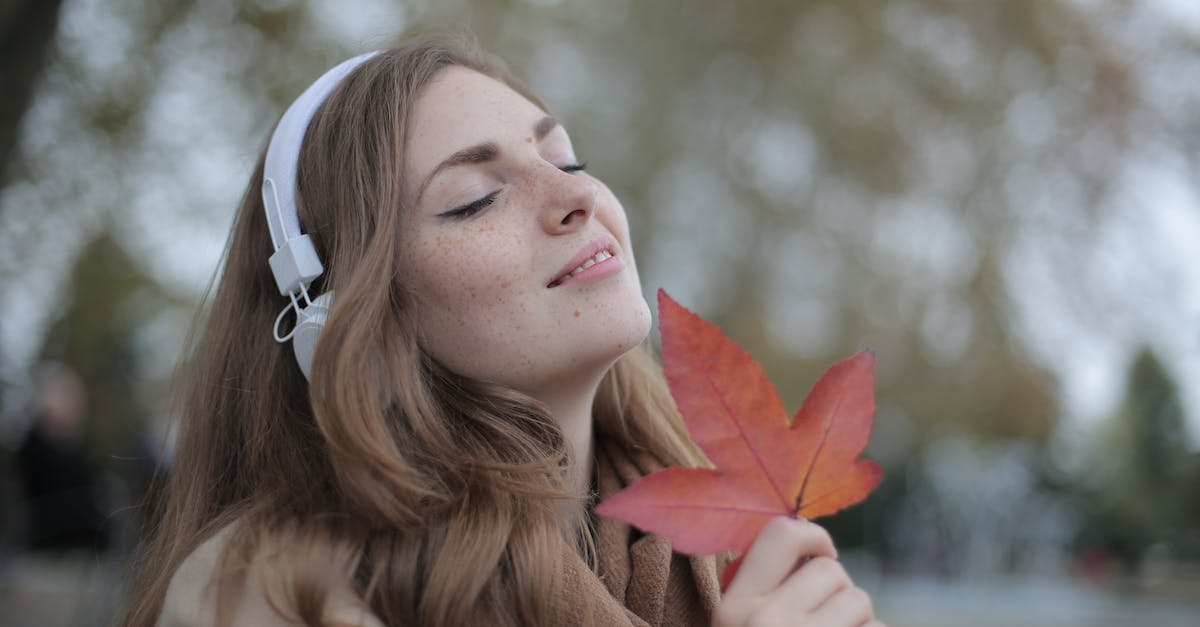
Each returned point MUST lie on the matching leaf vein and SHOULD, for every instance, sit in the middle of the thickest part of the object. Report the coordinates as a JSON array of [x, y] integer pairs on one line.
[[714, 508], [831, 416], [758, 460]]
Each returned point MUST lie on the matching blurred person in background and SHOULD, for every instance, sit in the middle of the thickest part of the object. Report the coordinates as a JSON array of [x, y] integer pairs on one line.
[[60, 485], [480, 383], [59, 578]]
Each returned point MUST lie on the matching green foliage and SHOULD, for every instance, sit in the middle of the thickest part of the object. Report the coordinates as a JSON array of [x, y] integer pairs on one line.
[[1142, 469]]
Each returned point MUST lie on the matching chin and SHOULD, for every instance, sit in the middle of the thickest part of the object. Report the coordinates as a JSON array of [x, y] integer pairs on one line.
[[635, 327], [645, 319], [622, 329]]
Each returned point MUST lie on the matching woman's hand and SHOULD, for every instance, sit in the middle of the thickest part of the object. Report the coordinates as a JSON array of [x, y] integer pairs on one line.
[[791, 576]]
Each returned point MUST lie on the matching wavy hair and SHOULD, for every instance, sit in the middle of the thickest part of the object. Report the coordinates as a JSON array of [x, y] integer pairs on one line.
[[390, 466]]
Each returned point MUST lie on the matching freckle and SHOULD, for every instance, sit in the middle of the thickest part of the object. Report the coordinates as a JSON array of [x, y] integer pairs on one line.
[[576, 313], [528, 140]]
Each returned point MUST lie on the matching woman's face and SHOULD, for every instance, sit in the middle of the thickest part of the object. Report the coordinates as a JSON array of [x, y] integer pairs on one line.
[[499, 223]]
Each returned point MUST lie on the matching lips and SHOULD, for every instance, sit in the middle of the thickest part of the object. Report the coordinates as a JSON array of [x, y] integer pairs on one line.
[[597, 251]]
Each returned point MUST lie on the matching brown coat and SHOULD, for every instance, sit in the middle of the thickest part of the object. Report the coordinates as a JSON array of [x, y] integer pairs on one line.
[[640, 580]]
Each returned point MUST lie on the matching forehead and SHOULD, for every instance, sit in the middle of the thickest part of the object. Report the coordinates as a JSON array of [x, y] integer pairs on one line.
[[460, 108]]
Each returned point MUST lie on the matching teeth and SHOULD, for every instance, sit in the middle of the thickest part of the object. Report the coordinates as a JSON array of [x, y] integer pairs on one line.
[[597, 258]]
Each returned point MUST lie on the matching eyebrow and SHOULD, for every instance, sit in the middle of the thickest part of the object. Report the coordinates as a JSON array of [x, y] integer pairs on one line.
[[484, 152], [544, 126]]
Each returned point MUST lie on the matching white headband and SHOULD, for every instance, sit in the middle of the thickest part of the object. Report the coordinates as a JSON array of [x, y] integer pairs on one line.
[[295, 263]]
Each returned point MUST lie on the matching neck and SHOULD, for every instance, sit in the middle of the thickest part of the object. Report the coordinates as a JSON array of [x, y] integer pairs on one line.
[[571, 408]]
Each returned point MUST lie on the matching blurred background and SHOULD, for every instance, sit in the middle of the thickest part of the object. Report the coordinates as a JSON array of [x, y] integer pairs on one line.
[[1001, 198]]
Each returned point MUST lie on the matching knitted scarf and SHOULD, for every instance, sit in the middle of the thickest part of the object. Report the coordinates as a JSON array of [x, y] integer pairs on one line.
[[640, 580]]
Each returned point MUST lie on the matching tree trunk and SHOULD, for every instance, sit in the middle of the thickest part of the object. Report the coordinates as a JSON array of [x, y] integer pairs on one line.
[[27, 29]]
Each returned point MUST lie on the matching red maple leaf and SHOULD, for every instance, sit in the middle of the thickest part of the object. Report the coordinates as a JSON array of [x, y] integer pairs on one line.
[[766, 464]]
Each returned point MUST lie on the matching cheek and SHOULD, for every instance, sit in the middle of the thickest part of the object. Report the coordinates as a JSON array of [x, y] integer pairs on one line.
[[468, 297], [458, 271], [455, 276]]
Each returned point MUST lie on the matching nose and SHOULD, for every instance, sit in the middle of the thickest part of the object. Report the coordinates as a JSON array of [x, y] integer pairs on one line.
[[568, 201]]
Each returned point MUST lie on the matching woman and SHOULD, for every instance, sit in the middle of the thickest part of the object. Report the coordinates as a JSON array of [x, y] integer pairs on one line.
[[479, 383]]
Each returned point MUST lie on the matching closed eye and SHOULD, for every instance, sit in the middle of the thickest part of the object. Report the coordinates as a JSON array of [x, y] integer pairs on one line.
[[465, 211], [471, 208]]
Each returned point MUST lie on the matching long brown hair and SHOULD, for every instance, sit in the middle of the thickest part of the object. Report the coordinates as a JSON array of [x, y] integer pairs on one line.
[[439, 497]]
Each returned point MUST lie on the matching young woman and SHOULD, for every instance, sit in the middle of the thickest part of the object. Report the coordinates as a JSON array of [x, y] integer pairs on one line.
[[479, 383]]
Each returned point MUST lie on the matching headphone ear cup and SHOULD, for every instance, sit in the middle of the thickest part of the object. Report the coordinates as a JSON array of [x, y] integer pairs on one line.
[[309, 322]]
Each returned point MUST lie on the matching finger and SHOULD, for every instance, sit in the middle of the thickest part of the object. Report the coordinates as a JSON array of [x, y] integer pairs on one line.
[[849, 606], [813, 584], [777, 552], [806, 589]]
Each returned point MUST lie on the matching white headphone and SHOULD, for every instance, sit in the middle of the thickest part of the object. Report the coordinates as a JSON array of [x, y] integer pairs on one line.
[[295, 262]]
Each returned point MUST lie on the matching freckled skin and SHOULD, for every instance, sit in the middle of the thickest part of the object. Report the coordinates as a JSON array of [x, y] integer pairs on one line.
[[481, 282]]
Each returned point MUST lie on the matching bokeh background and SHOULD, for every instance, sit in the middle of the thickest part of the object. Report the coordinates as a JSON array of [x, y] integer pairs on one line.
[[1001, 198]]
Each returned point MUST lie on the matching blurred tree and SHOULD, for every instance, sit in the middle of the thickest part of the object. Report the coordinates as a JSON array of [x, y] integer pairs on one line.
[[1142, 471], [1154, 413], [816, 127], [27, 29], [108, 299]]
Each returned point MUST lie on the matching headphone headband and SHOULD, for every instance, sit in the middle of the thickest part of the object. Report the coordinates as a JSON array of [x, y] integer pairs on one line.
[[295, 263]]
